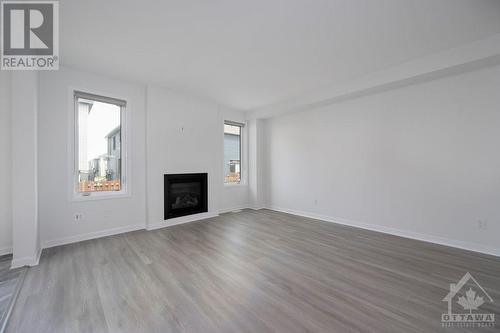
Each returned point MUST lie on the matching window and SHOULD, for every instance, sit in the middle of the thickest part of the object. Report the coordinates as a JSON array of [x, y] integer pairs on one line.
[[232, 152], [99, 144]]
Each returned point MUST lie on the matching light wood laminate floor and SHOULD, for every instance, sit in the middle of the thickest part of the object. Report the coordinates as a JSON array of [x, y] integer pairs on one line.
[[10, 282], [254, 271]]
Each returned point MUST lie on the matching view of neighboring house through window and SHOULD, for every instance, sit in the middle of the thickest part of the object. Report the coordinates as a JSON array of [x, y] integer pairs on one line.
[[232, 153], [99, 144]]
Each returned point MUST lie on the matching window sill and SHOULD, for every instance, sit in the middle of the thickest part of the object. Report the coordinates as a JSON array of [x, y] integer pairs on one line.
[[100, 196], [228, 185]]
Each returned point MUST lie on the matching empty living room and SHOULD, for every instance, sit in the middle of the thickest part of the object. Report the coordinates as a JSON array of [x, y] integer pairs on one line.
[[233, 166]]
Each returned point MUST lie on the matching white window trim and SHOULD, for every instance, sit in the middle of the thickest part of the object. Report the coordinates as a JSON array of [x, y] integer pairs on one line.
[[125, 190], [243, 153]]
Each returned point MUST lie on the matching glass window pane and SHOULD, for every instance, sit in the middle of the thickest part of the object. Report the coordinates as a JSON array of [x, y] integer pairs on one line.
[[232, 153], [99, 146]]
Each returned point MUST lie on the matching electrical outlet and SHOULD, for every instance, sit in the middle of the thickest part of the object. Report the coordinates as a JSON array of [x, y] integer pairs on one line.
[[78, 217], [482, 224]]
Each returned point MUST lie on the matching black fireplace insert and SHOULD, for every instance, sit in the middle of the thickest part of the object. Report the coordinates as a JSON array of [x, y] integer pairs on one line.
[[185, 194]]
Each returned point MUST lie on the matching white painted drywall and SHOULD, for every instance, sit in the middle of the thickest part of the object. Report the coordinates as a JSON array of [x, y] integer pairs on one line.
[[56, 210], [467, 57], [24, 184], [185, 135], [421, 160], [247, 54], [5, 164], [256, 160]]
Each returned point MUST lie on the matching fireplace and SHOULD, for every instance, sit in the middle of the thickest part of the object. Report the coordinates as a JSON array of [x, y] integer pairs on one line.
[[185, 194]]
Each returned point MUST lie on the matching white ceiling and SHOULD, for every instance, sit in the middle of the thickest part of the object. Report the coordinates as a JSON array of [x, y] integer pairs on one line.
[[249, 54]]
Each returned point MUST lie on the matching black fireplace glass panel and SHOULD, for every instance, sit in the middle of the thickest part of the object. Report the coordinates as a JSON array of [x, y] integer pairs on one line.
[[185, 194]]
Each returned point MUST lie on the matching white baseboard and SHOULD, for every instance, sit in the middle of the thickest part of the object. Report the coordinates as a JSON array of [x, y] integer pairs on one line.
[[5, 250], [180, 220], [91, 235], [228, 210], [37, 257], [397, 232], [26, 261], [232, 209]]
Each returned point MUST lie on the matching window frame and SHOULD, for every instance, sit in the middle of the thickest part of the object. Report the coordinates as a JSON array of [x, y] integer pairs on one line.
[[124, 186], [243, 170]]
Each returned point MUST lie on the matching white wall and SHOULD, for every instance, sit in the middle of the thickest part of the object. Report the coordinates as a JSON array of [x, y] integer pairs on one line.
[[256, 160], [56, 210], [422, 161], [184, 135], [24, 172], [5, 164]]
